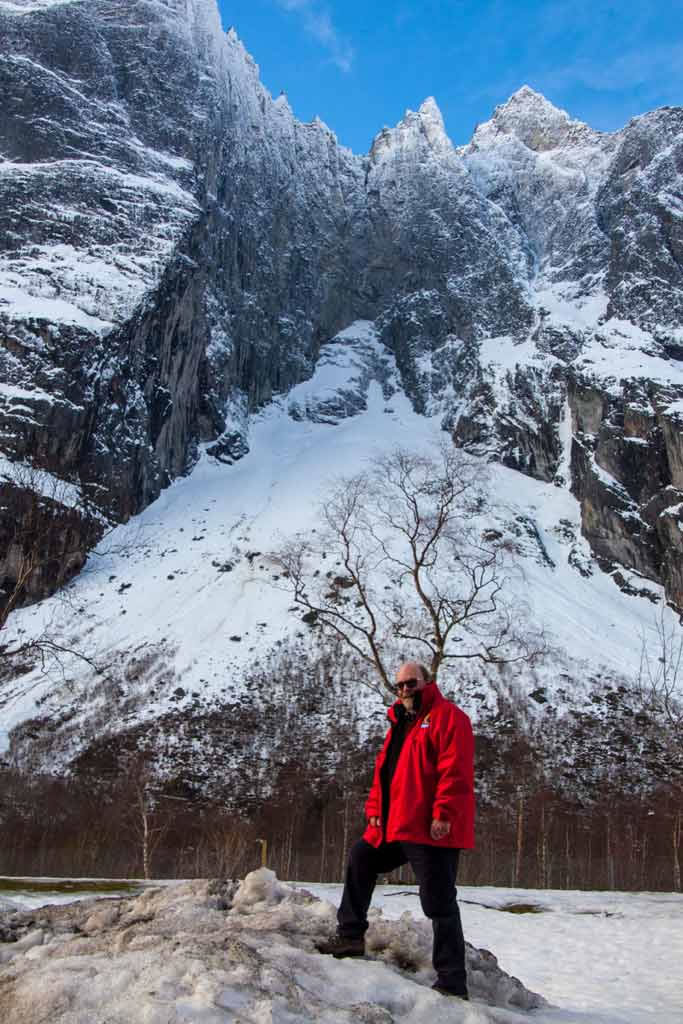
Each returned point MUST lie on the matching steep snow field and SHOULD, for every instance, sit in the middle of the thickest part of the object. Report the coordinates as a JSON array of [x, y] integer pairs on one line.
[[175, 955], [191, 576]]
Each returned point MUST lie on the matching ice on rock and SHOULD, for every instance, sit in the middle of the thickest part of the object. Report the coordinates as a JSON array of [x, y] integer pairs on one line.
[[341, 385], [171, 955]]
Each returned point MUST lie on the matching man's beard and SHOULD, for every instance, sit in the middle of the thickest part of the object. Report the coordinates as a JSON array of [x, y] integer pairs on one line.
[[413, 703]]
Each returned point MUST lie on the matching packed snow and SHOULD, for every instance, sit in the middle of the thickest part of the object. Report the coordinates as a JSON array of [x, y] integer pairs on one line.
[[211, 951], [598, 957]]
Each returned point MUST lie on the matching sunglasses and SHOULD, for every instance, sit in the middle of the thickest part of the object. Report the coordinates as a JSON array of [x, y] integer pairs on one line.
[[406, 684]]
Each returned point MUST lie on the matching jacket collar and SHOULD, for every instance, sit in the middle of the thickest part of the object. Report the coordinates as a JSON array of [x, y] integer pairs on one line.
[[431, 695]]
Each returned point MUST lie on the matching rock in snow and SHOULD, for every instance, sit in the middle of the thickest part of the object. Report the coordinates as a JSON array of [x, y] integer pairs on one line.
[[216, 951]]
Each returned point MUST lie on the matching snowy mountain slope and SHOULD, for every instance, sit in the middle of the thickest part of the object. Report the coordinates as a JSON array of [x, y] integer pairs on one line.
[[190, 587], [149, 219], [177, 252], [224, 241]]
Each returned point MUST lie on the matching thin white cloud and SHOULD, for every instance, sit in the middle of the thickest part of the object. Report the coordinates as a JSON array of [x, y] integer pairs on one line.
[[653, 72], [317, 22], [655, 67]]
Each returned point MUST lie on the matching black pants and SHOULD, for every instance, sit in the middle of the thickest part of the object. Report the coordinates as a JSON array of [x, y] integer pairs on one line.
[[435, 868]]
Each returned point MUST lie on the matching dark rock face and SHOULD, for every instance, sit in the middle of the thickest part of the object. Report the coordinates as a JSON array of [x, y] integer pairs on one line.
[[175, 248], [104, 112], [639, 210], [45, 532], [622, 472]]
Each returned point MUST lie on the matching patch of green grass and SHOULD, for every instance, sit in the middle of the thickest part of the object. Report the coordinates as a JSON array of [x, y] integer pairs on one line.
[[61, 885], [523, 908]]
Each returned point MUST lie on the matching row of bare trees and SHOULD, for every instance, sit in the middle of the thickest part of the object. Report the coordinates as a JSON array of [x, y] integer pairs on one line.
[[543, 842]]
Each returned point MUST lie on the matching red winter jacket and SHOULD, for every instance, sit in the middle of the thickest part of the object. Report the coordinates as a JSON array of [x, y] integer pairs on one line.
[[434, 778]]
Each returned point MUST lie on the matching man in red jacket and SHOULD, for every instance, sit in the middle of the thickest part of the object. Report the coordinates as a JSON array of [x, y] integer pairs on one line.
[[420, 810]]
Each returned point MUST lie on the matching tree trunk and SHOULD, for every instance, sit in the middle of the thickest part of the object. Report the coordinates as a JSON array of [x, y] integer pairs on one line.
[[676, 842], [567, 858], [323, 843], [543, 857], [288, 856], [520, 839], [145, 844], [611, 882], [643, 861], [345, 839]]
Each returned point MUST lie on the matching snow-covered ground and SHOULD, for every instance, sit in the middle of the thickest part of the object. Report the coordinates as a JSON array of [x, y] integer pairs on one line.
[[601, 957], [190, 580], [203, 952]]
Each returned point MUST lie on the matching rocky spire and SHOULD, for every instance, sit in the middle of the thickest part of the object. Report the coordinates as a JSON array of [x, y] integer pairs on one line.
[[423, 127], [532, 119]]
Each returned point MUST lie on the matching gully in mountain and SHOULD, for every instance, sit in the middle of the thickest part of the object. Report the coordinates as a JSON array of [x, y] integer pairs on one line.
[[420, 811]]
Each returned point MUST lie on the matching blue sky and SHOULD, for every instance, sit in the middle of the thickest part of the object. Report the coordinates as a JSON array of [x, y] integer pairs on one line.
[[358, 65]]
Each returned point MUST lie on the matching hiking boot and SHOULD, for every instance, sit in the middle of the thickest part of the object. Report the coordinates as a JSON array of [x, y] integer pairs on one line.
[[342, 946], [450, 992]]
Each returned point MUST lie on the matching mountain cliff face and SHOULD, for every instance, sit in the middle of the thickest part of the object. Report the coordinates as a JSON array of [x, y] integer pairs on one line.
[[175, 247], [601, 214]]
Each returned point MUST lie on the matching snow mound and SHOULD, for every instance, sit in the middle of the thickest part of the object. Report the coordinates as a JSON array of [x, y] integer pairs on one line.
[[213, 951]]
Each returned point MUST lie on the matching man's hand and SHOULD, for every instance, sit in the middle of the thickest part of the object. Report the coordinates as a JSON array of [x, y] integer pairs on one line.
[[439, 829], [375, 822]]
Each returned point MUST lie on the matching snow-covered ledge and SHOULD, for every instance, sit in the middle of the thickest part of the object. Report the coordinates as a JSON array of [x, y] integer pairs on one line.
[[211, 952]]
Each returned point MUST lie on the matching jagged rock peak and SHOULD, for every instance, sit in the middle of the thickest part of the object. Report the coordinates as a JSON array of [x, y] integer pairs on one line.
[[534, 120], [429, 110], [416, 128]]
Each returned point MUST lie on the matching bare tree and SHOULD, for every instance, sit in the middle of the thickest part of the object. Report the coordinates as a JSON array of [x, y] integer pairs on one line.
[[411, 566], [659, 685], [660, 675], [145, 819]]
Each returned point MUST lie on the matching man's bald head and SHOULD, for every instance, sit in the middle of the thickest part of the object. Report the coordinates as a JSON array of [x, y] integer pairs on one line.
[[413, 670]]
